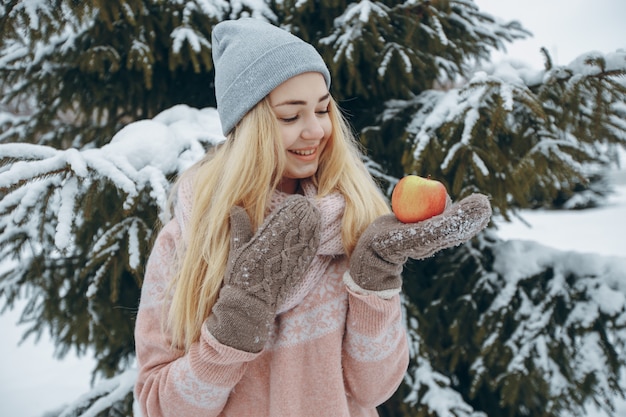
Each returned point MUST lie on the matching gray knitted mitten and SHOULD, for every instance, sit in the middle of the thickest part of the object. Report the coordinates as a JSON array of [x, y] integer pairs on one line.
[[385, 246], [261, 271]]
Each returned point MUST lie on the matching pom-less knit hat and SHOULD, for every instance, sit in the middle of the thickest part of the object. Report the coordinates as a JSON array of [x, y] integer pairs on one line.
[[251, 58]]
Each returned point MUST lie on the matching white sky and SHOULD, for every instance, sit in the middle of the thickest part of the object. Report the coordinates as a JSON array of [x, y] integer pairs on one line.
[[567, 28]]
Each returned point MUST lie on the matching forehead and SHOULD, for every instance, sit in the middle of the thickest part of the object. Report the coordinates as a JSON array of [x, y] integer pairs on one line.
[[309, 86]]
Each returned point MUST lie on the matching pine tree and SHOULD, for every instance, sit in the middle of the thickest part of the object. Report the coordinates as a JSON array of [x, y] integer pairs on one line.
[[84, 181]]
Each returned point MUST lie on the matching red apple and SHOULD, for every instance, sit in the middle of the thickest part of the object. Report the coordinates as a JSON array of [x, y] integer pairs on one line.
[[416, 198]]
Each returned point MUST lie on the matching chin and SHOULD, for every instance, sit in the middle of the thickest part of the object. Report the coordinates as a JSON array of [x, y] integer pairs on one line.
[[301, 174]]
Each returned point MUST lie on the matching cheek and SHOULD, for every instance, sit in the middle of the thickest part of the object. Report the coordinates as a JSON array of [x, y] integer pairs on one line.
[[328, 129], [289, 135], [327, 126]]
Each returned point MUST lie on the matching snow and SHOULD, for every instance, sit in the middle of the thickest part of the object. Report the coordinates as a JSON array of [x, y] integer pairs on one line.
[[444, 402], [599, 230], [441, 34], [32, 381], [133, 246], [63, 234], [351, 29], [33, 9], [110, 391], [434, 117], [189, 35]]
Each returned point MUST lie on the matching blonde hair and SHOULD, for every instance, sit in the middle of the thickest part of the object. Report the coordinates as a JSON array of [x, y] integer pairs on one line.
[[253, 155]]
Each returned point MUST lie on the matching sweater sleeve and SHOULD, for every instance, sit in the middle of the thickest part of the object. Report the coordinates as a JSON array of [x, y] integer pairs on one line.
[[375, 348], [170, 381]]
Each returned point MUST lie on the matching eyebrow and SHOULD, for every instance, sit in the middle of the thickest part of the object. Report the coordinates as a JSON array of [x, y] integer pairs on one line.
[[301, 102]]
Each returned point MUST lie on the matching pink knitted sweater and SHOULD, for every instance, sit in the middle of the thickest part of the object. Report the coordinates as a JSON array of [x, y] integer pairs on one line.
[[333, 352]]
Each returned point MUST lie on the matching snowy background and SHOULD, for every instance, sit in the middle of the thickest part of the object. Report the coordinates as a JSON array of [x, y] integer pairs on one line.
[[566, 28], [33, 382]]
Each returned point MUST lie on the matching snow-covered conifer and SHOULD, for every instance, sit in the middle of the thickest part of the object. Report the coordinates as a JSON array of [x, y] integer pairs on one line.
[[102, 104]]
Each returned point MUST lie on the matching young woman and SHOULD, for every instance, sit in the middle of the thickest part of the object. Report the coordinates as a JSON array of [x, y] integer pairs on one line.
[[274, 290]]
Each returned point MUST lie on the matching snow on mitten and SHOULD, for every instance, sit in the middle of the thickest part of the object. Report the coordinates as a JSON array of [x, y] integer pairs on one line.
[[261, 270], [385, 246]]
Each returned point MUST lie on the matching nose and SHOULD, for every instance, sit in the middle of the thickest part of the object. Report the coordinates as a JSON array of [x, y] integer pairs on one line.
[[313, 129]]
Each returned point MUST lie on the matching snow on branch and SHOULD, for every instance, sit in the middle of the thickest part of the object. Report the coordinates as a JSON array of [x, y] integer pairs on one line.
[[390, 50], [431, 389], [564, 305], [512, 122], [351, 27], [194, 38], [103, 396], [460, 112], [437, 393], [142, 156], [96, 208], [596, 63], [31, 12], [517, 260], [254, 8]]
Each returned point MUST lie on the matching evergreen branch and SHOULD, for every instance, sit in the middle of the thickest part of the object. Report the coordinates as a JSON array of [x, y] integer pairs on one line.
[[104, 396], [530, 326], [528, 346]]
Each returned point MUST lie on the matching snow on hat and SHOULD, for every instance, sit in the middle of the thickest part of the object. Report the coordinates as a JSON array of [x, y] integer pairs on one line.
[[252, 57]]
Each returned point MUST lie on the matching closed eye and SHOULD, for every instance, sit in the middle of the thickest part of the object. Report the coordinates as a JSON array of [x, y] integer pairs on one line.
[[289, 119]]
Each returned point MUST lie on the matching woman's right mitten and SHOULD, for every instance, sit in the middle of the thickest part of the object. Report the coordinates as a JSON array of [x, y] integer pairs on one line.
[[261, 270]]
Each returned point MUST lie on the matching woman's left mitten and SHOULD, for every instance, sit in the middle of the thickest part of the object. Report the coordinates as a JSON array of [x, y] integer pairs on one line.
[[383, 249]]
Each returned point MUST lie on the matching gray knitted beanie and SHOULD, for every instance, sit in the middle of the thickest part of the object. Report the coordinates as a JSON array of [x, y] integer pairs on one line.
[[251, 58]]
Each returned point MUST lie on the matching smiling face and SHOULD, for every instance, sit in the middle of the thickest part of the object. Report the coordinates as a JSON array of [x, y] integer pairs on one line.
[[301, 106]]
